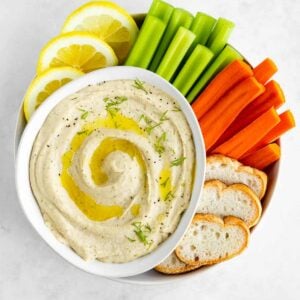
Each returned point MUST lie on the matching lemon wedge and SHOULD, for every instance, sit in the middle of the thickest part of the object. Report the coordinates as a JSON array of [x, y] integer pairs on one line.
[[80, 50], [45, 84], [108, 21]]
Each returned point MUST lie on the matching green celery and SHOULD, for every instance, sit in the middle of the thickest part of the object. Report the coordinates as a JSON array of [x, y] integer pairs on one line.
[[193, 68], [175, 53], [161, 10], [227, 56], [202, 26], [220, 35], [146, 43], [179, 17]]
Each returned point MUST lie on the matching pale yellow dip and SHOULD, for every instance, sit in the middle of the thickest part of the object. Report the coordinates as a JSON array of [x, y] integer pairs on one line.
[[112, 170]]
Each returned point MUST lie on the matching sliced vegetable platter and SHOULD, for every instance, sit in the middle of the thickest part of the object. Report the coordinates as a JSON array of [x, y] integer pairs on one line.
[[236, 104]]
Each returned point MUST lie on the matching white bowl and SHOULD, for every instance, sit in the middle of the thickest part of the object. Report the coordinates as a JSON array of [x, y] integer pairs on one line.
[[152, 277], [31, 208]]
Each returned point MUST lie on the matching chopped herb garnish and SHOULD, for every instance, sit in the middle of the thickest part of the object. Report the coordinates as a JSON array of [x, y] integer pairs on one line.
[[147, 226], [115, 100], [178, 161], [84, 115], [142, 116], [112, 104], [130, 239], [149, 129], [82, 132], [164, 184], [163, 116], [158, 146], [112, 110], [117, 125], [138, 84], [151, 124], [146, 119], [176, 108], [142, 232], [169, 196]]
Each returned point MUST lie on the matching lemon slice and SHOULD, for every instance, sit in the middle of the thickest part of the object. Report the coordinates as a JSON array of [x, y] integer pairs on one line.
[[80, 50], [108, 21], [45, 84]]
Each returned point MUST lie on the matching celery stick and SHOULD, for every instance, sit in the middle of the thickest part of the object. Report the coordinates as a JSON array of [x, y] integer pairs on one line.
[[220, 35], [192, 69], [202, 26], [161, 10], [146, 43], [179, 46], [179, 17], [227, 56]]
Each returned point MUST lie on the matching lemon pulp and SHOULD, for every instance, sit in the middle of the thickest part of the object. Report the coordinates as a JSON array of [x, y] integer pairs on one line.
[[50, 88], [82, 57], [109, 22]]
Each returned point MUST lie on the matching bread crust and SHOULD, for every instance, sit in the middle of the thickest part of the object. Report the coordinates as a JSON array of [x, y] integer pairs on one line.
[[184, 264], [240, 168], [164, 269], [222, 188], [228, 221]]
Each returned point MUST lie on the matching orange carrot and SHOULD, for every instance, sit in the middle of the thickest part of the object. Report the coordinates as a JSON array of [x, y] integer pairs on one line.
[[265, 70], [223, 82], [273, 96], [286, 123], [263, 157], [250, 136], [217, 120]]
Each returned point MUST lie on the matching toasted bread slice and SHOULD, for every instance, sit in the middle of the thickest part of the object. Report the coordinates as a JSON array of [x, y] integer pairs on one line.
[[173, 265], [236, 200], [210, 240], [229, 171]]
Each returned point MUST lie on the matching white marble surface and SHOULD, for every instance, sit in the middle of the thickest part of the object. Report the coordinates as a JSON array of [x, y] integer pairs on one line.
[[269, 269]]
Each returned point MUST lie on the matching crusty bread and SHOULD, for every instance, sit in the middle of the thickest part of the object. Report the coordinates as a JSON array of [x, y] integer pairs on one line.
[[236, 200], [210, 240], [231, 171], [173, 265]]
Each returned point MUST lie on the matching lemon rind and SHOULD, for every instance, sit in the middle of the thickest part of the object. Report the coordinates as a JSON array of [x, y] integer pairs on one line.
[[83, 38], [41, 81]]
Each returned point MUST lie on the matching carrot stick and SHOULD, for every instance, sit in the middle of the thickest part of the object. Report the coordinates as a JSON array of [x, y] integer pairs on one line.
[[250, 136], [263, 157], [273, 96], [227, 56], [286, 123], [217, 120], [223, 82], [265, 70]]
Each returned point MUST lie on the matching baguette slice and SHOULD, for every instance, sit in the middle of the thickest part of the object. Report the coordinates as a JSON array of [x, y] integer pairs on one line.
[[173, 265], [236, 200], [231, 171], [210, 240]]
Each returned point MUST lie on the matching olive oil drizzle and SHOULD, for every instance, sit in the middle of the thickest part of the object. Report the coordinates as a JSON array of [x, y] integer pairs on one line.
[[88, 205]]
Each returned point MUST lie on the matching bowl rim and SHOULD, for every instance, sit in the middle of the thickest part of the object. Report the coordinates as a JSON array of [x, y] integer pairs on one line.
[[29, 204]]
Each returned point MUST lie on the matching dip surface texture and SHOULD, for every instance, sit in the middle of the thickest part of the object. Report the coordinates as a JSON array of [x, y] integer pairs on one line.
[[112, 169]]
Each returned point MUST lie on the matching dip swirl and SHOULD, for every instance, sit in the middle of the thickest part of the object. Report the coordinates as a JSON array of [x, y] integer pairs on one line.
[[112, 169]]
